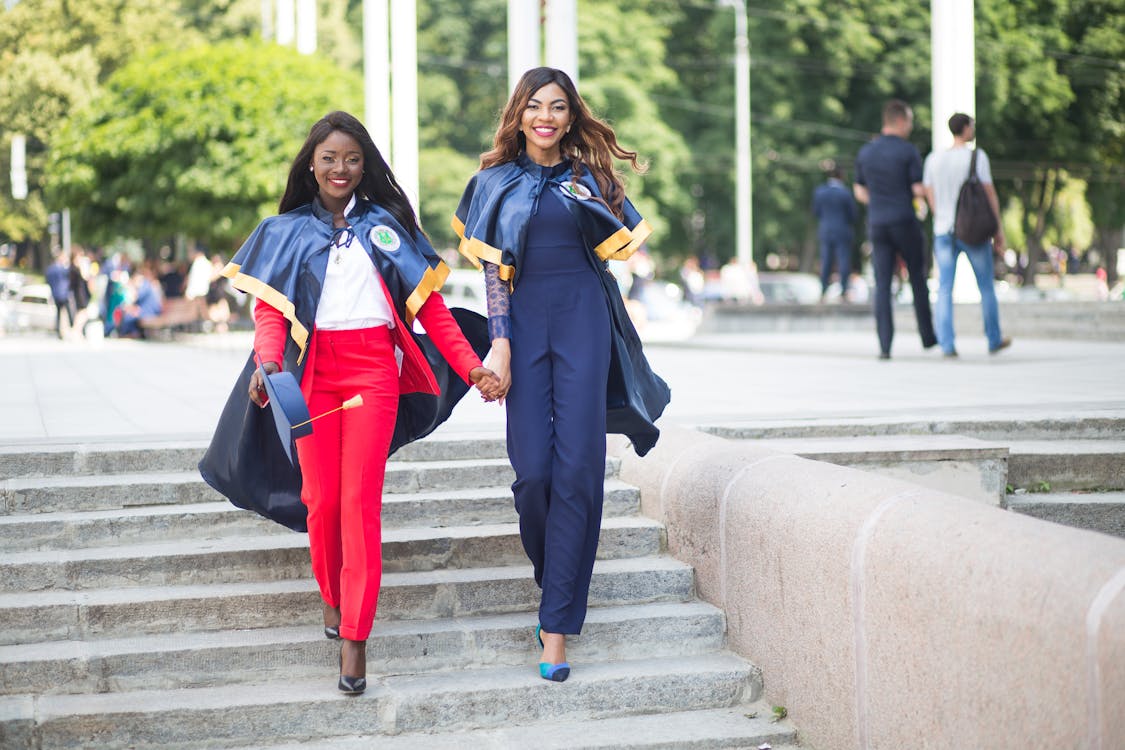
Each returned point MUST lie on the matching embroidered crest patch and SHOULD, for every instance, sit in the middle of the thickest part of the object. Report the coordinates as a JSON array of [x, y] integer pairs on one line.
[[385, 238], [575, 190]]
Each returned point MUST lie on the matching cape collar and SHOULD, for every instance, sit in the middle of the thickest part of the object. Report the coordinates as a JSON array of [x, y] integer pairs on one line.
[[539, 171], [323, 214]]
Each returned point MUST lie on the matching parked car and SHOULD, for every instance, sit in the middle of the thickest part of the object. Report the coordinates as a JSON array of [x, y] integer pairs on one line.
[[10, 283], [29, 309]]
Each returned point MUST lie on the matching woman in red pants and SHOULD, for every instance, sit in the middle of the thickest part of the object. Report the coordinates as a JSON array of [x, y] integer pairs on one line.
[[340, 276]]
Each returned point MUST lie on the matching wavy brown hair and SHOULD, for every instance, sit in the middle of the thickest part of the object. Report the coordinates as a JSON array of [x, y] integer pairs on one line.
[[590, 143], [377, 185]]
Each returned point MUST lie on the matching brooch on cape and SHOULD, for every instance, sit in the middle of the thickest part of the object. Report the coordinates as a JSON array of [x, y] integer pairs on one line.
[[384, 238], [575, 190]]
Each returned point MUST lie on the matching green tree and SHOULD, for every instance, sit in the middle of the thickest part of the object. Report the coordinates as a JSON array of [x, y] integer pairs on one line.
[[194, 142], [54, 55], [821, 71], [631, 104]]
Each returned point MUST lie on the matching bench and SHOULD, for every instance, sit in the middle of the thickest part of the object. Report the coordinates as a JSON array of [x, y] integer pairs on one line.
[[178, 313]]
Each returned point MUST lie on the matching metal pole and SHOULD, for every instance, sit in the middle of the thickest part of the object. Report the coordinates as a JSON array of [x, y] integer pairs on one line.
[[306, 26], [19, 166], [267, 19], [744, 184], [952, 65], [377, 73], [286, 19], [523, 39], [404, 96], [66, 229], [562, 36]]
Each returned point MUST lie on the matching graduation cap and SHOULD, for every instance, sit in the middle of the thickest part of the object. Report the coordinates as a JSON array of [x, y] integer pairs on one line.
[[287, 404], [290, 412]]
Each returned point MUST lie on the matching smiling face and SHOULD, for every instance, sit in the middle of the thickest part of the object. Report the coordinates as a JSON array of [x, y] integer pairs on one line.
[[337, 165], [545, 121]]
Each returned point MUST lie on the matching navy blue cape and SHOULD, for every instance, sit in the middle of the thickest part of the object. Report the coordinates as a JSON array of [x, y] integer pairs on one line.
[[492, 222], [283, 262]]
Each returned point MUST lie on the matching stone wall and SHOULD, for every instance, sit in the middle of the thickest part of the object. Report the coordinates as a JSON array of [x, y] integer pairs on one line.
[[887, 615]]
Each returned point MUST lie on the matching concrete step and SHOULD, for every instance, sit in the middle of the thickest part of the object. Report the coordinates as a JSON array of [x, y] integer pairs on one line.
[[71, 459], [84, 459], [205, 659], [1067, 465], [1097, 511], [152, 523], [101, 492], [104, 613], [462, 447], [950, 463], [744, 726], [462, 699], [1057, 427], [273, 557]]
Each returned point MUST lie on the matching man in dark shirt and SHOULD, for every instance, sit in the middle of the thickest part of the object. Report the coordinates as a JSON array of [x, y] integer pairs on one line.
[[834, 208], [58, 278], [888, 176]]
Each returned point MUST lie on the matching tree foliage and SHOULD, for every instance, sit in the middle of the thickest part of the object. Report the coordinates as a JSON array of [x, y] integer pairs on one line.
[[54, 54], [194, 141], [1050, 88]]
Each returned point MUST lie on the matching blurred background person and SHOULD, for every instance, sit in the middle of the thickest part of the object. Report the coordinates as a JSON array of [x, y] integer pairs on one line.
[[834, 208], [58, 278]]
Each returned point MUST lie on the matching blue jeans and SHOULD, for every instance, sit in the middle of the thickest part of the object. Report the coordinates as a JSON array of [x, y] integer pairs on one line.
[[946, 249]]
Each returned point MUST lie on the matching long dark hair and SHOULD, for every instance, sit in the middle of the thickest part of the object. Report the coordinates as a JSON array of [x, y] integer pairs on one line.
[[377, 185], [590, 142]]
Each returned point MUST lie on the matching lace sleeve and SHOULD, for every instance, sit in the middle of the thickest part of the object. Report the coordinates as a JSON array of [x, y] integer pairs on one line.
[[499, 303]]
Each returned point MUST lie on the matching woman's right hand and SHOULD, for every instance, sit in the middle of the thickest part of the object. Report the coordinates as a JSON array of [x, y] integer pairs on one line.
[[500, 362], [258, 387]]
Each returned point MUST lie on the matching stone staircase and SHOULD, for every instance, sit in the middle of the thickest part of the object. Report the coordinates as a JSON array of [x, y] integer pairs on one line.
[[139, 609], [1068, 470]]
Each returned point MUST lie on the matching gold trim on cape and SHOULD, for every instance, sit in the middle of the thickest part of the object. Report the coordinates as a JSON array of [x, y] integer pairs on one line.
[[476, 251], [274, 299]]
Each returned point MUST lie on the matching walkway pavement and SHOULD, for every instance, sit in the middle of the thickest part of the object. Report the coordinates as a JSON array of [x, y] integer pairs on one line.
[[118, 391]]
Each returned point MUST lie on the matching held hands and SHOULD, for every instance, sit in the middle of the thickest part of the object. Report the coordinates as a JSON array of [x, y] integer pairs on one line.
[[486, 382], [257, 387]]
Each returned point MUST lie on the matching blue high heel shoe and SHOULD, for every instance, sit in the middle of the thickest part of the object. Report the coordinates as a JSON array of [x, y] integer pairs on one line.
[[554, 672], [547, 670]]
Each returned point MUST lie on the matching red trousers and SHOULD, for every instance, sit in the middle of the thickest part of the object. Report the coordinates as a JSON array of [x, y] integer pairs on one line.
[[343, 463]]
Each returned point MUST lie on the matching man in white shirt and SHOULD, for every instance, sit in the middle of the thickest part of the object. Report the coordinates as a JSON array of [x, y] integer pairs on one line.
[[942, 177], [199, 276]]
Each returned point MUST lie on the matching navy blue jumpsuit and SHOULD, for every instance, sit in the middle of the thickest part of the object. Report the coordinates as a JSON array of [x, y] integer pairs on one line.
[[560, 343]]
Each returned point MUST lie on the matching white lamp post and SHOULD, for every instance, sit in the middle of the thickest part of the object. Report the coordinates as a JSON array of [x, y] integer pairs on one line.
[[744, 209], [952, 65], [523, 39], [562, 36]]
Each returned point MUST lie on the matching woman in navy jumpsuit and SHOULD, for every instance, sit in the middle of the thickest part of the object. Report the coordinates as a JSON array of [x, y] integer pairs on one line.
[[542, 216]]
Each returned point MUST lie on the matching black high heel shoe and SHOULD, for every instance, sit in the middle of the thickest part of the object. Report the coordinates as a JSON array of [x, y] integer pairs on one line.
[[332, 632], [352, 685]]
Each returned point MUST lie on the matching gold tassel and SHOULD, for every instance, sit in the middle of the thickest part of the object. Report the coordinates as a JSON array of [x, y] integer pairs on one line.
[[351, 403]]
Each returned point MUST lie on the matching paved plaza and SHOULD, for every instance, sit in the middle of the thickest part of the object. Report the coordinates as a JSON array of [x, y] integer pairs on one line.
[[124, 390]]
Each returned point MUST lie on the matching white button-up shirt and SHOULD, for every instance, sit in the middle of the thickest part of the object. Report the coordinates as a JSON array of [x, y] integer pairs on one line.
[[353, 295]]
